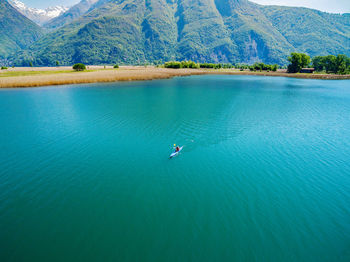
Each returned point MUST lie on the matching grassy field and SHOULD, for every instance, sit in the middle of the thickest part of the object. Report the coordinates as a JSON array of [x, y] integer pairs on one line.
[[33, 77]]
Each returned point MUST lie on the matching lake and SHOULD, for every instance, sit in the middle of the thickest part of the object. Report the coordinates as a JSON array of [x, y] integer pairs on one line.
[[264, 175]]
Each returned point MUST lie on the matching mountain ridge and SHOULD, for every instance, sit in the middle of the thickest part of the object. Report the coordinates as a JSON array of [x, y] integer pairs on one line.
[[142, 31], [39, 16], [70, 15]]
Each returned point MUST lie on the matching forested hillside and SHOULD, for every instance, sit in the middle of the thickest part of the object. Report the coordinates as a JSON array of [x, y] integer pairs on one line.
[[16, 31], [140, 31], [73, 13]]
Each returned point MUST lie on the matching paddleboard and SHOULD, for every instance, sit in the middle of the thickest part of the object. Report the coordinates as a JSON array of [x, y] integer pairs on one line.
[[176, 153]]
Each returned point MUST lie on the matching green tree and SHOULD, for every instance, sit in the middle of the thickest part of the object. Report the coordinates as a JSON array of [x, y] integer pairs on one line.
[[341, 64], [258, 67], [318, 63], [172, 64], [227, 66], [210, 65], [57, 63], [79, 67], [297, 62], [31, 64], [274, 68], [192, 64], [116, 66], [330, 63]]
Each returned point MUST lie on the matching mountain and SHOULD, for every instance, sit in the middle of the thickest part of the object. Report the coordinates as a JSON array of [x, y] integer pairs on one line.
[[139, 31], [311, 31], [39, 16], [16, 30], [71, 14]]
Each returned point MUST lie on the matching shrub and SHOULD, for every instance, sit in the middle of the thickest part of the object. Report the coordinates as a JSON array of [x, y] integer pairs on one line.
[[192, 64], [210, 65], [227, 66], [116, 66], [79, 67], [242, 66], [182, 64], [3, 67], [206, 65], [173, 64]]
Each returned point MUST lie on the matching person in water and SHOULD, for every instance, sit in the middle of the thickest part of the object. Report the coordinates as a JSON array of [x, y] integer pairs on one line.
[[177, 149]]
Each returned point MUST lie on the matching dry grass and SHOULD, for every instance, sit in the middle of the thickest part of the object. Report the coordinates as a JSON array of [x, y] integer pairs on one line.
[[125, 74], [57, 76], [31, 73]]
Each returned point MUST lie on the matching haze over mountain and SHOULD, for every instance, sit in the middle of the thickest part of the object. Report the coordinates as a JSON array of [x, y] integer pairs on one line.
[[330, 6], [139, 31], [17, 31], [73, 13]]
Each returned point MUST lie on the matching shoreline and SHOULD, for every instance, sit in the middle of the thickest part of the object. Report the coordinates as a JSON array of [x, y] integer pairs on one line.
[[50, 76], [291, 75]]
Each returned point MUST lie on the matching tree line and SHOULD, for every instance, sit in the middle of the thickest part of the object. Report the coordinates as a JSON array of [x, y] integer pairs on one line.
[[191, 64], [339, 64], [330, 64], [182, 64]]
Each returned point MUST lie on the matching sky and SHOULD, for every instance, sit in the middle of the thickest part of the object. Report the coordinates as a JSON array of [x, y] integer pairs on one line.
[[46, 3], [332, 6]]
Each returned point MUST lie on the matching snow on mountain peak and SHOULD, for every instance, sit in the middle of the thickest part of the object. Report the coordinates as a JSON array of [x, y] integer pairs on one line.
[[39, 16]]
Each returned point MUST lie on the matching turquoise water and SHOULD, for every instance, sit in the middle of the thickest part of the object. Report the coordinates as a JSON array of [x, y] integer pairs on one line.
[[264, 174]]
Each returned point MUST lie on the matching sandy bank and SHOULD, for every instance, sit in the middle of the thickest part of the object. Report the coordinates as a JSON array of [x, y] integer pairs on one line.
[[45, 76]]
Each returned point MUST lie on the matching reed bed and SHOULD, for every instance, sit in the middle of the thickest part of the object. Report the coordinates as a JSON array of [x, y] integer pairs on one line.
[[132, 74]]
